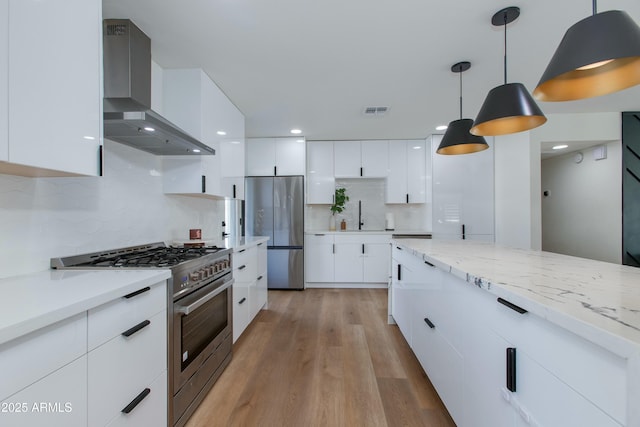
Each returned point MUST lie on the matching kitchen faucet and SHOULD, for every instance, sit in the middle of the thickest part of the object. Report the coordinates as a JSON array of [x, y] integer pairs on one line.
[[360, 223]]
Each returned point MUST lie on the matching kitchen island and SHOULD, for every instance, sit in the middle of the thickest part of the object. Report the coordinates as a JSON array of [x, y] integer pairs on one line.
[[573, 325]]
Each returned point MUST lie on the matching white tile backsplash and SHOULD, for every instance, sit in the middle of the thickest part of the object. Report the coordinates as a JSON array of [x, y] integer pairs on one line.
[[41, 218], [372, 194]]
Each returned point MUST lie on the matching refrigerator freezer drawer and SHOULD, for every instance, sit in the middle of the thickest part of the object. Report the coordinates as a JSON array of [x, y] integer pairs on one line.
[[285, 268]]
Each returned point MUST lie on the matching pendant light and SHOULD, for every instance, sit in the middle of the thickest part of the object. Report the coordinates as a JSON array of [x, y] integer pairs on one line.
[[597, 56], [457, 139], [508, 108]]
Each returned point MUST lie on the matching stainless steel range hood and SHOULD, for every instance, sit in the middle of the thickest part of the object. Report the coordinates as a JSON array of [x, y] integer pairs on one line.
[[128, 117]]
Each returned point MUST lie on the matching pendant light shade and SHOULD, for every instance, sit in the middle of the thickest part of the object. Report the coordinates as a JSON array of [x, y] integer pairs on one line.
[[508, 108], [597, 56], [457, 139]]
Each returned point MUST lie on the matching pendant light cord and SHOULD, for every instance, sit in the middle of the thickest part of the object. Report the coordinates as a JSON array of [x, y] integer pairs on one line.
[[460, 94], [595, 6], [505, 47]]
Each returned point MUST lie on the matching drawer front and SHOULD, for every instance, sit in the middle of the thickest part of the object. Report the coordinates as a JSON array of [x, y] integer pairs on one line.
[[245, 265], [319, 239], [591, 370], [110, 320], [33, 356], [124, 366], [57, 400], [152, 411], [245, 256], [240, 309]]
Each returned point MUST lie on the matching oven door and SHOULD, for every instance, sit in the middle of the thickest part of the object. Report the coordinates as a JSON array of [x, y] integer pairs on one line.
[[201, 321]]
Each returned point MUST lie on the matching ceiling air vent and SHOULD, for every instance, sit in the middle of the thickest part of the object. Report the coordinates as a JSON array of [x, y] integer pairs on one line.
[[375, 111]]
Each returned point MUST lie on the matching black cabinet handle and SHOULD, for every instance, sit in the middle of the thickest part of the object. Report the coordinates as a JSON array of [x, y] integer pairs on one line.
[[429, 322], [242, 267], [399, 271], [361, 171], [138, 292], [511, 369], [204, 184], [136, 328], [429, 264], [464, 237], [333, 250], [407, 197], [261, 243], [241, 250], [398, 248], [363, 248], [260, 277], [100, 161], [512, 306], [234, 191], [242, 300], [135, 402], [275, 171]]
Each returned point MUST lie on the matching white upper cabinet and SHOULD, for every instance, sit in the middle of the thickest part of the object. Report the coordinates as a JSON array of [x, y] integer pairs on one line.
[[463, 194], [275, 156], [406, 181], [355, 159], [52, 67], [321, 183], [194, 103]]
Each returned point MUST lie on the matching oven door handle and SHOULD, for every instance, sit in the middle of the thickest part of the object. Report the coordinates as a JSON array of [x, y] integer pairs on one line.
[[186, 310]]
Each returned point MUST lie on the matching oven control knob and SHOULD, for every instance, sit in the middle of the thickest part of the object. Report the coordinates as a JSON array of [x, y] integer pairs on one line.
[[194, 277], [201, 274], [211, 269]]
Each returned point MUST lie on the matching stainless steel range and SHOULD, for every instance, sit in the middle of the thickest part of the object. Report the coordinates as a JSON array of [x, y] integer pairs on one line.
[[199, 313]]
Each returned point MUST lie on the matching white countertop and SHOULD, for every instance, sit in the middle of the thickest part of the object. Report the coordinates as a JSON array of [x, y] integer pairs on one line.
[[34, 301], [390, 232], [597, 300], [244, 241]]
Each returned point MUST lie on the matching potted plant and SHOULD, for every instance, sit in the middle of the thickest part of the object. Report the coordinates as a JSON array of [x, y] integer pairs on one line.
[[339, 200]]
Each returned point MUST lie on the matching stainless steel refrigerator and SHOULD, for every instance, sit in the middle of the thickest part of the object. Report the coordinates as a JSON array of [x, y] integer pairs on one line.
[[275, 208]]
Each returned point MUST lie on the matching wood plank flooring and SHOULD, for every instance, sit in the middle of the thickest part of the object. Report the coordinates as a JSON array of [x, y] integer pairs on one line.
[[323, 357]]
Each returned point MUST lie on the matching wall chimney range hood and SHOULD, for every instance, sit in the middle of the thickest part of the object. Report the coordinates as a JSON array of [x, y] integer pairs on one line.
[[128, 117]]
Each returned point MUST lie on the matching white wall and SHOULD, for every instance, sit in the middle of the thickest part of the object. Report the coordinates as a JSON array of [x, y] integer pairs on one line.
[[41, 218], [581, 216]]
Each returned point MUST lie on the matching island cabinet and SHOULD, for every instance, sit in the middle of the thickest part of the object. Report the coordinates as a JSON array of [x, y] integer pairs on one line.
[[494, 363], [250, 292], [50, 72]]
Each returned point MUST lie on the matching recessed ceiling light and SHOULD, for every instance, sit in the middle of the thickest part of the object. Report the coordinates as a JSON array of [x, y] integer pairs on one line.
[[221, 132], [150, 129], [296, 131], [195, 150], [560, 147], [441, 127]]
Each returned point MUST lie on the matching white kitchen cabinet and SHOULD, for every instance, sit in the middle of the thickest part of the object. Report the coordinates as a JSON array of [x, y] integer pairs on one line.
[[275, 156], [406, 181], [195, 103], [463, 197], [355, 159], [64, 95], [460, 335], [240, 309], [347, 259], [250, 293], [318, 258], [361, 258], [321, 182], [375, 262]]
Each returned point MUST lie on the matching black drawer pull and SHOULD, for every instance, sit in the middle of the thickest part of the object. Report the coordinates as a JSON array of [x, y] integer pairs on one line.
[[429, 264], [398, 248], [512, 306], [136, 328], [399, 271], [260, 277], [241, 250], [511, 369], [363, 248], [135, 402], [242, 300], [261, 243], [138, 292], [429, 322], [242, 267]]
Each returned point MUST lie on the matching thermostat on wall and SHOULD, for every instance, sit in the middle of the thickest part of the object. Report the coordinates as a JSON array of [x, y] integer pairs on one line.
[[578, 157]]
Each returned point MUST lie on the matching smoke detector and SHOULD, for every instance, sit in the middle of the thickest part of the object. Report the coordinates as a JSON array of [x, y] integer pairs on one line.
[[375, 111]]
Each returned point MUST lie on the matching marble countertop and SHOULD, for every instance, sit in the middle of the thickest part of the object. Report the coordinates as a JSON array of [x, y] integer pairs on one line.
[[597, 300], [244, 241], [34, 301]]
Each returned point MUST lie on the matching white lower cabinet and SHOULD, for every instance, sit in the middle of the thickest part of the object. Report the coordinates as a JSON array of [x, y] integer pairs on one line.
[[250, 294], [240, 309], [461, 335], [318, 258]]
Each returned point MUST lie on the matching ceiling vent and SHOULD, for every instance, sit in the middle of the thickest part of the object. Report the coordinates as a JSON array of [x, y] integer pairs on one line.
[[375, 111]]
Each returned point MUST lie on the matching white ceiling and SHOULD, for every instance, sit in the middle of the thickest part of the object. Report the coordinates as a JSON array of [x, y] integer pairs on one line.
[[315, 64]]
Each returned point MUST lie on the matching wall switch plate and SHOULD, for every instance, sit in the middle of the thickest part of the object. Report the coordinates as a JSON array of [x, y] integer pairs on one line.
[[600, 152]]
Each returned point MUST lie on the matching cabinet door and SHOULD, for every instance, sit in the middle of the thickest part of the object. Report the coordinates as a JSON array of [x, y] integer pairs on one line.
[[57, 400], [375, 159], [346, 159], [320, 181], [260, 156], [232, 168], [462, 194], [348, 261], [401, 305], [55, 75], [240, 309], [318, 257], [396, 190], [416, 171], [376, 262], [4, 80], [290, 158], [191, 176]]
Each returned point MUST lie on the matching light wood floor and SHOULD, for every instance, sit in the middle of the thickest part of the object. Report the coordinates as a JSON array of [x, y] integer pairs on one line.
[[323, 357]]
